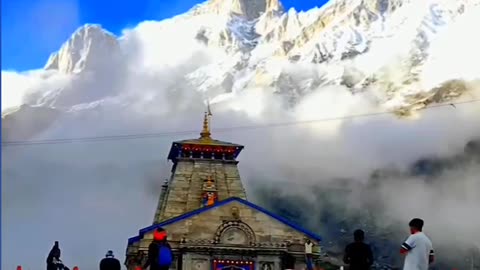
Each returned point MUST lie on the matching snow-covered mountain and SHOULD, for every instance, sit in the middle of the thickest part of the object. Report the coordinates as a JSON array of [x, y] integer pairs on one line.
[[89, 48], [377, 46]]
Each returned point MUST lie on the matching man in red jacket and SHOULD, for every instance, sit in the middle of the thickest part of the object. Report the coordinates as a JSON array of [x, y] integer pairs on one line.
[[160, 254]]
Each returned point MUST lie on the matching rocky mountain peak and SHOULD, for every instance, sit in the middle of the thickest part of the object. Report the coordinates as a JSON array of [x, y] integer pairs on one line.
[[85, 49], [250, 9]]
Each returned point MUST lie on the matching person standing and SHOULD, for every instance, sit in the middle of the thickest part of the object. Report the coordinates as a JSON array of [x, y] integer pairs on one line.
[[110, 262], [418, 248], [53, 258], [308, 254], [160, 255], [358, 255], [308, 248]]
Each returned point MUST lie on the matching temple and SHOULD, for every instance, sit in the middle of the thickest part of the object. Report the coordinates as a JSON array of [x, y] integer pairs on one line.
[[210, 224]]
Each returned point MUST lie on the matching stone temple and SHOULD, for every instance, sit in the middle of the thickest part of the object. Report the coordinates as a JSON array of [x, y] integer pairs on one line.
[[210, 223]]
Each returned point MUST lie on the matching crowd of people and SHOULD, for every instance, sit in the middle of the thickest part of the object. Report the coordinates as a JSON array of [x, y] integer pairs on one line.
[[160, 256], [417, 249]]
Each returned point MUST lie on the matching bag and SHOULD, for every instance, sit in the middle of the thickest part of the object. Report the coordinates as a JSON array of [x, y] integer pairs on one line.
[[165, 257]]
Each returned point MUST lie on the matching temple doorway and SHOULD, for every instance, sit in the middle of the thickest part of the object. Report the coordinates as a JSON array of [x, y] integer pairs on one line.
[[233, 265]]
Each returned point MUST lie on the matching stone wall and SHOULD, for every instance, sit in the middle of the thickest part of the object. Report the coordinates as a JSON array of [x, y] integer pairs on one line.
[[184, 193], [194, 261], [204, 227], [207, 229], [268, 262]]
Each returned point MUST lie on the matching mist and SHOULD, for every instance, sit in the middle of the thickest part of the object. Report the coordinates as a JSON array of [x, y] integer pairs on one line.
[[93, 196]]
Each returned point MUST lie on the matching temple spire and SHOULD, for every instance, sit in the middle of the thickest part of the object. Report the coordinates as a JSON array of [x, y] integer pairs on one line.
[[205, 134]]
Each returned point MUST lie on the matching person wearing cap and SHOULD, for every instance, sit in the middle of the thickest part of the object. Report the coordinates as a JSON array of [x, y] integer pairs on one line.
[[110, 262], [160, 254]]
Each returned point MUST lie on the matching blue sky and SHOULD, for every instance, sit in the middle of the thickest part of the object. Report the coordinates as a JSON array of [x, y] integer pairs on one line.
[[32, 29]]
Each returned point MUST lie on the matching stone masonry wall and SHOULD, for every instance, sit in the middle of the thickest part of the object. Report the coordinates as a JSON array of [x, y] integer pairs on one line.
[[184, 193], [204, 226]]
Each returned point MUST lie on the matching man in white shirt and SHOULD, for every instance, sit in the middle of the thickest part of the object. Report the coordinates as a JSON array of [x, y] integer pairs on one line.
[[417, 248], [308, 247]]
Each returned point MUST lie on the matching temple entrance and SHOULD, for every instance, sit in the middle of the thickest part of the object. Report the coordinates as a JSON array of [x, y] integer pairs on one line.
[[233, 265]]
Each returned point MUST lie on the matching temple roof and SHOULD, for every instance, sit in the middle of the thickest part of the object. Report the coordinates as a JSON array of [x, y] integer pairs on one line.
[[188, 215], [212, 142], [204, 140], [177, 146]]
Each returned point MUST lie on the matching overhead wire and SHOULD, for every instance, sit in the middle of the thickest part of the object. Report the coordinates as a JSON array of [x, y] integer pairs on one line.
[[218, 130]]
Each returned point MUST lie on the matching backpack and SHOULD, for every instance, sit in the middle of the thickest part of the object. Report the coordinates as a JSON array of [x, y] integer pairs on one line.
[[165, 257]]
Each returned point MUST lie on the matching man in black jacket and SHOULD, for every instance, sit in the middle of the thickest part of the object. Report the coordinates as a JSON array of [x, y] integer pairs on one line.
[[358, 254], [154, 260], [110, 262]]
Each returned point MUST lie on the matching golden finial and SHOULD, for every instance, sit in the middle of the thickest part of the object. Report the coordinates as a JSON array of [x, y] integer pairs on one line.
[[205, 134]]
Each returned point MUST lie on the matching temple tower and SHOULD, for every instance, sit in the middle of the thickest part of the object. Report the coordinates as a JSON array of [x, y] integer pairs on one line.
[[210, 223], [204, 171]]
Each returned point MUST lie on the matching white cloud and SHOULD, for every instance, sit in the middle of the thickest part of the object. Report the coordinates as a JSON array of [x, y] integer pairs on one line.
[[29, 87], [14, 86], [455, 52]]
